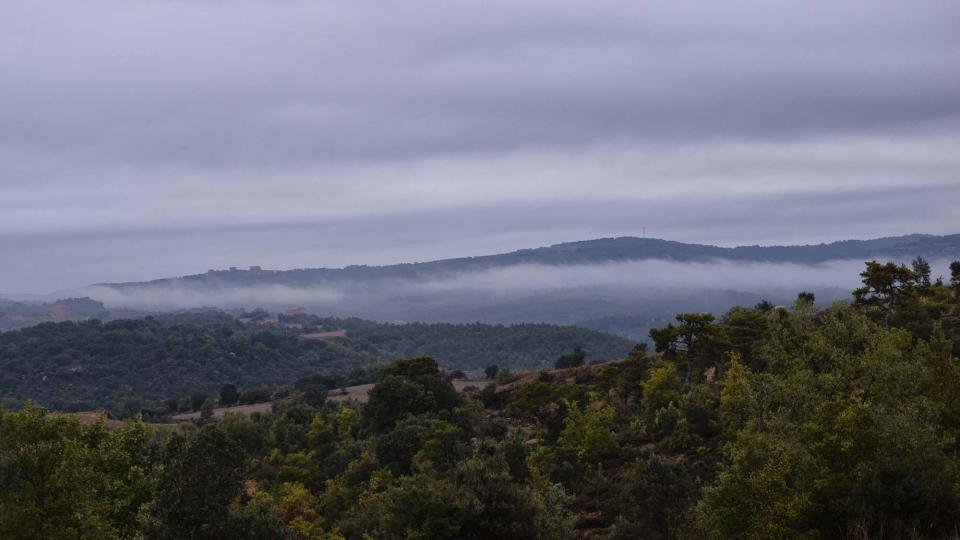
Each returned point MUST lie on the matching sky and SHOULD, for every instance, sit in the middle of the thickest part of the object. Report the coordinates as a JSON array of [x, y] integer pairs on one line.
[[144, 139]]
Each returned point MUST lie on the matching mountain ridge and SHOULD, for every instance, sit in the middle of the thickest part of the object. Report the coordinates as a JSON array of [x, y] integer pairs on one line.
[[612, 249]]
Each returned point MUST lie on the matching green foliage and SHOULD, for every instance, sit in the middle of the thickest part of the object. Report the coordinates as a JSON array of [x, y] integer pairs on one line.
[[885, 288], [795, 423], [654, 500], [847, 441], [62, 479], [198, 475], [408, 387], [229, 395], [475, 345], [75, 366], [746, 331], [590, 431], [690, 343], [738, 402], [86, 365], [206, 410], [534, 397], [576, 358], [662, 387]]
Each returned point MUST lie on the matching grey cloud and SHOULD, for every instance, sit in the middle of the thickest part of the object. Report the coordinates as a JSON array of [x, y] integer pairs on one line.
[[163, 137], [268, 83], [45, 262]]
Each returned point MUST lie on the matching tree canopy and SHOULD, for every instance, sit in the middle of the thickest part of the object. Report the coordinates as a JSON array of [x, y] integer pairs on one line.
[[768, 422]]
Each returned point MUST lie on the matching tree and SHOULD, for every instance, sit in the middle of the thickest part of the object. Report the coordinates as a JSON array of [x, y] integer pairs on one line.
[[206, 410], [737, 401], [690, 340], [229, 395], [505, 376], [828, 452], [395, 449], [654, 499], [745, 331], [590, 431], [197, 400], [884, 285], [255, 517], [491, 371], [256, 395], [955, 275], [201, 473], [921, 269], [576, 358], [299, 509], [62, 479], [806, 296], [661, 388], [171, 405], [408, 387]]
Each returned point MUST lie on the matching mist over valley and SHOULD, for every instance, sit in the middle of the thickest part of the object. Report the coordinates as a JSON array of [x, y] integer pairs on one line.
[[624, 285]]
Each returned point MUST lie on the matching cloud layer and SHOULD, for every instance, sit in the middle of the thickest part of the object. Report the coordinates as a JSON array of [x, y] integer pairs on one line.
[[633, 282], [140, 139]]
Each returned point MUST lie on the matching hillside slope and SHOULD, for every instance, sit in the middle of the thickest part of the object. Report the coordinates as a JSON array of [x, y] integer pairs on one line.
[[585, 252], [91, 364]]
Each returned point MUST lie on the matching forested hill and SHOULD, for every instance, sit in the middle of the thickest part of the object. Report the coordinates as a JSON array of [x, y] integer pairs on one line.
[[931, 247], [768, 422], [92, 364]]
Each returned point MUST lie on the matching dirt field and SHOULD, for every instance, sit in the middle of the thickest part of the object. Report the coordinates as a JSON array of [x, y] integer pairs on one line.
[[325, 335], [353, 393], [359, 393], [219, 412], [91, 417]]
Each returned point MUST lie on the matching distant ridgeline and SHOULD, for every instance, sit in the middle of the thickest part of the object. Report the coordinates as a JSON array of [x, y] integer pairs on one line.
[[92, 364], [550, 284], [931, 247]]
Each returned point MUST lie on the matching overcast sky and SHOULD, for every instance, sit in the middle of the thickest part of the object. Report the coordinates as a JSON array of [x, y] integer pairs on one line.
[[141, 139]]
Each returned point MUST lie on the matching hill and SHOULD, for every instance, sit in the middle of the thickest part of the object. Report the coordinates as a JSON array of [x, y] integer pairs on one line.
[[139, 362], [583, 253], [570, 283], [768, 422]]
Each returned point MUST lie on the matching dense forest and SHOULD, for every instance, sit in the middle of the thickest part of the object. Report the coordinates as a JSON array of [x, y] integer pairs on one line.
[[473, 346], [133, 364], [767, 422]]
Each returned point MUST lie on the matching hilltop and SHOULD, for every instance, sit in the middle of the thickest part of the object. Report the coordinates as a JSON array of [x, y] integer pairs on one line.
[[622, 285], [626, 248]]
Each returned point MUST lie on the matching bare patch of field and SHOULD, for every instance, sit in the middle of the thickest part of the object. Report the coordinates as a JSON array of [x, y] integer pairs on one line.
[[220, 411], [92, 417], [359, 394], [325, 335]]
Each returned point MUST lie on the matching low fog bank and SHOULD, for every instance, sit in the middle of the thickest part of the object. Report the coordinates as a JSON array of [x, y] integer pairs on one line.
[[520, 292]]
